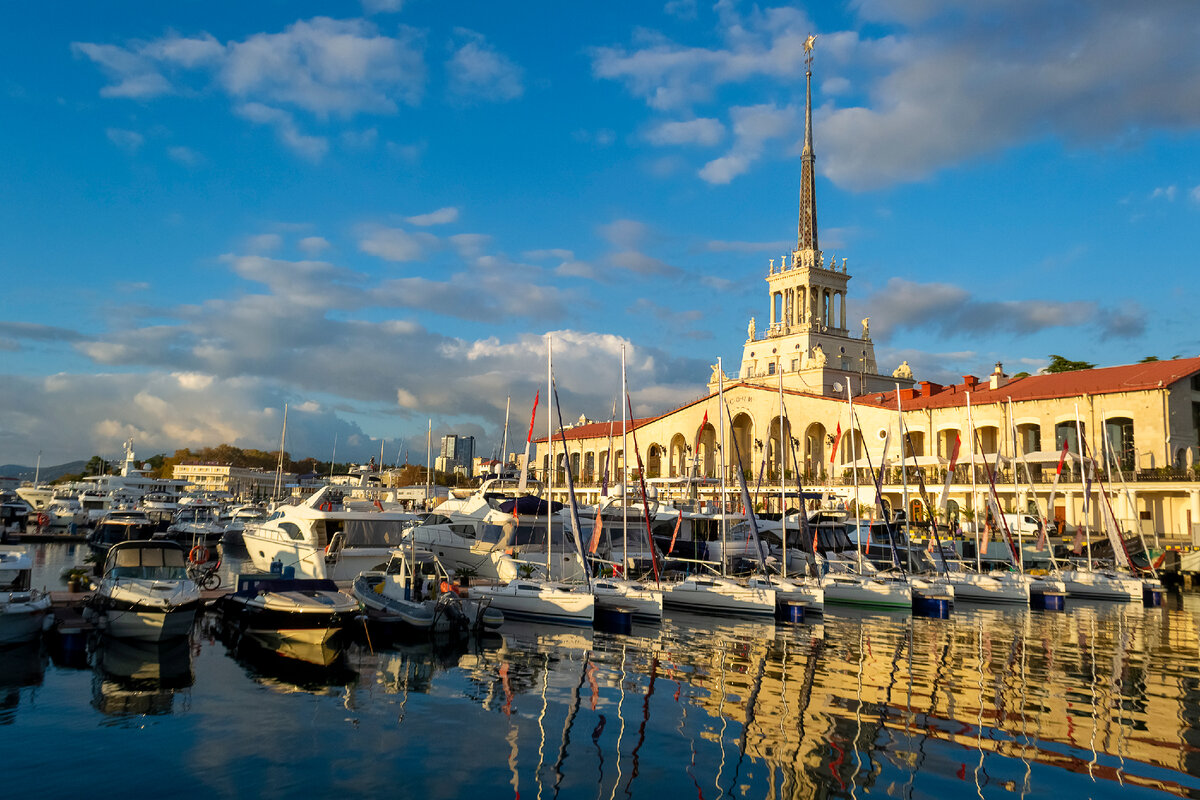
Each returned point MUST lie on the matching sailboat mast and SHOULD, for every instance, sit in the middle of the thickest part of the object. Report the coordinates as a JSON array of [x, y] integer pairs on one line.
[[624, 462], [428, 459], [279, 468], [904, 479], [550, 450], [721, 466], [1017, 510], [1087, 528], [974, 496], [780, 463], [504, 441]]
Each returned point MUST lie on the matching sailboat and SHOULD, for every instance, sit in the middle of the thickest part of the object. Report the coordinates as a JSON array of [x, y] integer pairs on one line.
[[717, 593], [856, 582], [532, 598]]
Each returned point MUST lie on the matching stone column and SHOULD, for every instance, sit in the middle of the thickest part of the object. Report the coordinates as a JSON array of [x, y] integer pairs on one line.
[[842, 298], [773, 296], [1194, 497]]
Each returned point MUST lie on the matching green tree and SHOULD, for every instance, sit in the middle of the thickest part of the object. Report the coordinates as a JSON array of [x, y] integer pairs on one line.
[[1061, 364]]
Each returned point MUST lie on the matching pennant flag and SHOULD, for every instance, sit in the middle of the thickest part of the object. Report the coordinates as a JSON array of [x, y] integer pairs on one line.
[[597, 528], [944, 504], [678, 522], [1062, 457], [836, 441]]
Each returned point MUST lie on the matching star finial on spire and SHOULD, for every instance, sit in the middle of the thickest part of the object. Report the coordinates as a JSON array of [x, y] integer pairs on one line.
[[809, 42]]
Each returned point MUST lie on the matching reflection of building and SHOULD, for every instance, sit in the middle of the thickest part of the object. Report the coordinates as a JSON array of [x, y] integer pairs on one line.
[[887, 702], [805, 360], [457, 454]]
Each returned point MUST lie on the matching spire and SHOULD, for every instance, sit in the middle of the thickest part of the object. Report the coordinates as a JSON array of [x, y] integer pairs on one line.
[[807, 234]]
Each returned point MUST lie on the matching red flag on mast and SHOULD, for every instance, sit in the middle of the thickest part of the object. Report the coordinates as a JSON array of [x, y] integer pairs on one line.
[[836, 440]]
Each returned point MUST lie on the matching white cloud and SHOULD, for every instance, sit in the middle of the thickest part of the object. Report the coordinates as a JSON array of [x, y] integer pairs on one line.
[[184, 155], [1165, 192], [442, 216], [129, 141], [556, 253], [478, 72], [382, 6], [704, 131], [753, 126], [313, 245], [1195, 194], [395, 244], [264, 243], [313, 148], [625, 233]]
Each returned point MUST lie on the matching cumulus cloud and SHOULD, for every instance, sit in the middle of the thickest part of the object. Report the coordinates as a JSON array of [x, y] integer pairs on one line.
[[753, 126], [324, 67], [129, 141], [184, 155], [313, 245], [312, 148], [478, 72], [921, 86], [442, 216], [395, 244], [905, 304], [704, 131]]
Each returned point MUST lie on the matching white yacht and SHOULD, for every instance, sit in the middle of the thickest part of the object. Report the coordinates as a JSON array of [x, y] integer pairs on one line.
[[145, 592], [410, 593], [1094, 584], [793, 589], [65, 512], [24, 611], [196, 524], [491, 531], [1005, 588], [319, 538], [643, 600], [717, 595], [38, 497], [525, 598]]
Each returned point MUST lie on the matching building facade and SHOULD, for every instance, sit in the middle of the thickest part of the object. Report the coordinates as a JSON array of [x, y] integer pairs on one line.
[[785, 415]]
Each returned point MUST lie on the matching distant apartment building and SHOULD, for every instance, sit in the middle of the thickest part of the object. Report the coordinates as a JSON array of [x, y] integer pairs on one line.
[[237, 481], [457, 455]]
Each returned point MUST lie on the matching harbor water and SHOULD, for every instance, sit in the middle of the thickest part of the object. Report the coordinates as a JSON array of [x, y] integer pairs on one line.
[[1101, 700]]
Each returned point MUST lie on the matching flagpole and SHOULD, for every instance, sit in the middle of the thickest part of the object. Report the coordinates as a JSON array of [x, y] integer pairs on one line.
[[428, 465]]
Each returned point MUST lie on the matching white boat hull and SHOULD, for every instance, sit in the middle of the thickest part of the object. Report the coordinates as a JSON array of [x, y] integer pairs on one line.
[[973, 587], [788, 590], [720, 596], [851, 590], [645, 603], [547, 603], [1102, 586], [310, 562], [23, 620]]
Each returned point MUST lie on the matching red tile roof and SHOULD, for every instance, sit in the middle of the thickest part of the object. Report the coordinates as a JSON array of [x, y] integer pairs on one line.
[[1105, 380]]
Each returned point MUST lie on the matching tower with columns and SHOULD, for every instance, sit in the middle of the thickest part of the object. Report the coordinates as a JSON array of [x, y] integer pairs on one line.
[[807, 337]]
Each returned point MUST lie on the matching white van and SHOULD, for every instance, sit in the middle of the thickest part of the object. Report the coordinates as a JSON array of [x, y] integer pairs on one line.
[[1025, 525]]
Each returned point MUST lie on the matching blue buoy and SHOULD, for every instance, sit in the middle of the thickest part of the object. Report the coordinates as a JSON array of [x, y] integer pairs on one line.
[[289, 572], [1048, 601], [1152, 596], [934, 607], [789, 611], [277, 567], [613, 620]]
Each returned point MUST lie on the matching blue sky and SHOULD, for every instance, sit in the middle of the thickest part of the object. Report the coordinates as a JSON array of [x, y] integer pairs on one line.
[[375, 213]]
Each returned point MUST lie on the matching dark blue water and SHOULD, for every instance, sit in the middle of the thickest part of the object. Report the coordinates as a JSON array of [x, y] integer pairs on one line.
[[1100, 701]]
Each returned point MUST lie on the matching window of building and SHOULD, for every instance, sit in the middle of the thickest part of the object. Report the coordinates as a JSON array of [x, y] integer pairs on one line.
[[771, 368]]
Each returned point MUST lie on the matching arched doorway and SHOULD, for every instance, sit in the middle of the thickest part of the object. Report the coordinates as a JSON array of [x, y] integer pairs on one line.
[[739, 445], [815, 442], [654, 461], [678, 456]]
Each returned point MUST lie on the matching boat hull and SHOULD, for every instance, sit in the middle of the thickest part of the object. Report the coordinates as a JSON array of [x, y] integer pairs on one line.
[[1101, 586], [719, 596], [867, 593], [23, 620], [545, 604]]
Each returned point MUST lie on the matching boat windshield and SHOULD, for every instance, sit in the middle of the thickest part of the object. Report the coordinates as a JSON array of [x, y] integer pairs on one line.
[[371, 532], [149, 563]]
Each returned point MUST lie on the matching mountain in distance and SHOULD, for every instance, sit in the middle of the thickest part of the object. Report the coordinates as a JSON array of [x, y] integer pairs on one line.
[[45, 475]]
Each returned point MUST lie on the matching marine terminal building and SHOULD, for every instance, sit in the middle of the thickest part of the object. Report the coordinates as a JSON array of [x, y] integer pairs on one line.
[[1140, 422]]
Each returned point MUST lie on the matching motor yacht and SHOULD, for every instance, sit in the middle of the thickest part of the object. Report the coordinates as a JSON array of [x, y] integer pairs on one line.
[[410, 593], [119, 526], [24, 611], [145, 592], [320, 538], [278, 613]]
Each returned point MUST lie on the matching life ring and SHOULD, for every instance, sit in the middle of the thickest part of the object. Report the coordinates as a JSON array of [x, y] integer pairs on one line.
[[42, 519], [326, 506], [198, 555]]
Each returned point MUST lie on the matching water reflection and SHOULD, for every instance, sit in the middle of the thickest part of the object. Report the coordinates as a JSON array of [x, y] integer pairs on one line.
[[131, 678], [22, 668]]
